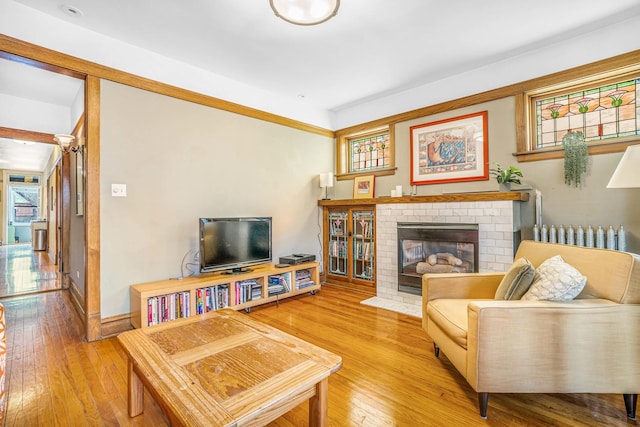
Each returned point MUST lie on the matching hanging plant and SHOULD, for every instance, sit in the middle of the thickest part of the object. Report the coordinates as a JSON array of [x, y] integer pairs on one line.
[[576, 157]]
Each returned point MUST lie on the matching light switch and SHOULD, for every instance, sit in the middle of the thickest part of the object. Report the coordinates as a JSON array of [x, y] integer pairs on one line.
[[119, 190]]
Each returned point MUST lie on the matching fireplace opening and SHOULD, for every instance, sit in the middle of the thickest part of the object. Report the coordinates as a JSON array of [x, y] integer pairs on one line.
[[434, 248]]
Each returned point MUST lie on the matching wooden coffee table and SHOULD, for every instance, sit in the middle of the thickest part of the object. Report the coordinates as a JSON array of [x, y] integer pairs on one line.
[[224, 368]]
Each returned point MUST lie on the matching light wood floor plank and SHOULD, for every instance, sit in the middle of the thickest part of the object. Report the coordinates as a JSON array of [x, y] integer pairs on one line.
[[25, 271]]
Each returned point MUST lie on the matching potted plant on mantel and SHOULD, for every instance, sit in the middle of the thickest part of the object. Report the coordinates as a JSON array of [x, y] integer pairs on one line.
[[506, 177]]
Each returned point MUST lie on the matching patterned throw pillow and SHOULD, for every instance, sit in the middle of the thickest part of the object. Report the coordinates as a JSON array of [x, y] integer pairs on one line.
[[516, 281], [555, 280]]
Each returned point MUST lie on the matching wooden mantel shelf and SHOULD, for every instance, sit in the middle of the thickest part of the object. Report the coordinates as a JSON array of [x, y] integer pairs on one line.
[[488, 196]]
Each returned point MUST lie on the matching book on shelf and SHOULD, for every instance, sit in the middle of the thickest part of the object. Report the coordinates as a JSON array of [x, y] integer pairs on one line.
[[338, 248], [244, 291], [303, 279], [211, 298], [278, 284], [164, 308]]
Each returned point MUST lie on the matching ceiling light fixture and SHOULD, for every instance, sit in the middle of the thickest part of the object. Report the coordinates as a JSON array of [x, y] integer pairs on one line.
[[67, 143], [71, 10], [305, 12]]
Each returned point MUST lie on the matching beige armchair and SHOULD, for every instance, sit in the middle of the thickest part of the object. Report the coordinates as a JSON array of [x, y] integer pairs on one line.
[[588, 345]]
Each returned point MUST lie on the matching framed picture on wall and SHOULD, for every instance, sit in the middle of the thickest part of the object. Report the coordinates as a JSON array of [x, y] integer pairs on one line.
[[450, 150], [363, 186], [80, 182]]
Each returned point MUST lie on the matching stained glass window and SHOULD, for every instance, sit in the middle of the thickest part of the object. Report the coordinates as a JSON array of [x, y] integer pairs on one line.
[[370, 153], [602, 113]]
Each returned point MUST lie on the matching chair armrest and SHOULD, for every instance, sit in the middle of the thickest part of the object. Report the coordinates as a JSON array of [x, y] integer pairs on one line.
[[460, 286], [586, 345]]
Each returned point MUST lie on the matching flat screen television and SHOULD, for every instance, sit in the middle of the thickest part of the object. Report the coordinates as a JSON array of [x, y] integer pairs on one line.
[[234, 243]]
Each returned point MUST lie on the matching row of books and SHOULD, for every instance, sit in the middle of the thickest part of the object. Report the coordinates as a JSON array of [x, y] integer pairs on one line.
[[338, 248], [303, 279], [164, 308], [362, 250], [364, 228], [279, 284], [248, 290], [212, 298]]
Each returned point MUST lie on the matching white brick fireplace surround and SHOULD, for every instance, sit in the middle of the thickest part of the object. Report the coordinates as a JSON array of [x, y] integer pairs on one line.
[[497, 221]]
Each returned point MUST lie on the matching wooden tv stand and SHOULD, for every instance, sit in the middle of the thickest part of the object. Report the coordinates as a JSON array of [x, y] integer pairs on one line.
[[162, 301]]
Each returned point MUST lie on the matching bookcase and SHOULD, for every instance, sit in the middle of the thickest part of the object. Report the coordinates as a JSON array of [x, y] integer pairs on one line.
[[349, 246], [162, 301]]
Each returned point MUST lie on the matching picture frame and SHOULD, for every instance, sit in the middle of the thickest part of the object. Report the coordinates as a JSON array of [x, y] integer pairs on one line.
[[80, 182], [363, 186], [450, 150]]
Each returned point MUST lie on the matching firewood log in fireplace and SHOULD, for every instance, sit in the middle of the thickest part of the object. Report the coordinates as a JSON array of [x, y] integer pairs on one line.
[[443, 263]]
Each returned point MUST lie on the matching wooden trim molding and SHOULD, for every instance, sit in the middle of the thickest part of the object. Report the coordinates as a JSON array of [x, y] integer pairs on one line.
[[59, 62], [558, 152], [112, 326], [517, 89], [488, 196], [26, 135], [93, 326], [76, 297]]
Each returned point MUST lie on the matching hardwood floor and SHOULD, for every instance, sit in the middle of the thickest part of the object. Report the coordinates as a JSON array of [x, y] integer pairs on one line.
[[389, 377], [25, 271]]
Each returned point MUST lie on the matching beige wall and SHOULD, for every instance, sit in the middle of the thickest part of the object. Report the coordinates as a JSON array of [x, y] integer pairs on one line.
[[181, 161], [592, 203]]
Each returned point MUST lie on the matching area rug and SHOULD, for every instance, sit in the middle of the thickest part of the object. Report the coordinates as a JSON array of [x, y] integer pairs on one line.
[[399, 307]]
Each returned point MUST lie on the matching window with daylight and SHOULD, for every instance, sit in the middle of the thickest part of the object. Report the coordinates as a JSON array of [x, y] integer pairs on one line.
[[370, 152], [607, 111], [366, 153]]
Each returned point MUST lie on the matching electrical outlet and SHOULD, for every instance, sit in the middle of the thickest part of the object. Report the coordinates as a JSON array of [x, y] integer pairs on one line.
[[77, 274]]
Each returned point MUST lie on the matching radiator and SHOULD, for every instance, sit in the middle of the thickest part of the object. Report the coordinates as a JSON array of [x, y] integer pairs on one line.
[[590, 237]]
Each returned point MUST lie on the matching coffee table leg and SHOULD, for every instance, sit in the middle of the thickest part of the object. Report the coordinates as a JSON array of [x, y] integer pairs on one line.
[[318, 405], [136, 393]]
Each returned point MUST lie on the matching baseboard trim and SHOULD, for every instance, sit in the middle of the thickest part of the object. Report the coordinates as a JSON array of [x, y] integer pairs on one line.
[[76, 297], [115, 325]]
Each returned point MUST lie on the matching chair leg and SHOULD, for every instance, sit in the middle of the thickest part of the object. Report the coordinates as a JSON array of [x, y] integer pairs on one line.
[[630, 403], [483, 402], [436, 350]]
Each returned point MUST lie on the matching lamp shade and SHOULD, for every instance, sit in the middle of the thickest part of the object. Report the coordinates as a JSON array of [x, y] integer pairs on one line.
[[326, 180], [627, 173]]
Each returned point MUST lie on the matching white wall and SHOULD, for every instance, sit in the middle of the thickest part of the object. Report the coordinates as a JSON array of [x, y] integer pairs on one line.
[[77, 108], [181, 161], [22, 113]]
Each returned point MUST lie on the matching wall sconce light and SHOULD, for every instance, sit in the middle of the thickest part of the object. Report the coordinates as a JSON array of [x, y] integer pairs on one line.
[[67, 142], [326, 181], [305, 12]]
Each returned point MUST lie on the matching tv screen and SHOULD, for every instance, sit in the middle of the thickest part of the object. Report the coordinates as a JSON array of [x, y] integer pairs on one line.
[[234, 243]]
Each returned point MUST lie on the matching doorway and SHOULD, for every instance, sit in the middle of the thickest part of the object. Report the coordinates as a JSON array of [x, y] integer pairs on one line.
[[23, 208]]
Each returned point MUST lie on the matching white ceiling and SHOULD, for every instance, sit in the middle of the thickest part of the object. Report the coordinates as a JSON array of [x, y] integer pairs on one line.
[[371, 49], [19, 155]]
